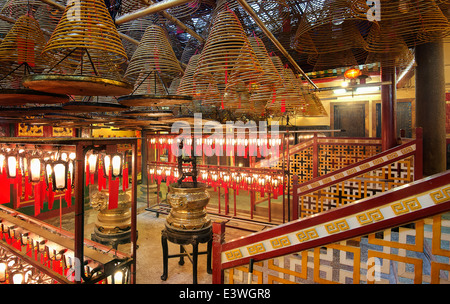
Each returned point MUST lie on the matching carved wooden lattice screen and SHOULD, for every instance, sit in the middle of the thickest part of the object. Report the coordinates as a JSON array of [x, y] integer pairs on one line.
[[321, 155]]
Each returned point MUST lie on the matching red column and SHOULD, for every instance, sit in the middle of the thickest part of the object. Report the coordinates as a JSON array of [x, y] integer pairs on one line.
[[218, 240], [388, 106]]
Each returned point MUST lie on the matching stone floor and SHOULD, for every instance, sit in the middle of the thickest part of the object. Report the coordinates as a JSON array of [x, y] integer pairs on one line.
[[149, 253]]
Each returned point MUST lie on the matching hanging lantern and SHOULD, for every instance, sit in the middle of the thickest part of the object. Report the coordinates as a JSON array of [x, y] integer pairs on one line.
[[92, 161], [352, 73], [35, 169], [58, 172], [11, 165], [115, 162]]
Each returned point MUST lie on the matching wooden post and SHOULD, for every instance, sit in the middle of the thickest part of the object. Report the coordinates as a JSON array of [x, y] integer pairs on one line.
[[79, 211], [315, 156], [134, 212], [218, 240], [295, 198], [388, 107]]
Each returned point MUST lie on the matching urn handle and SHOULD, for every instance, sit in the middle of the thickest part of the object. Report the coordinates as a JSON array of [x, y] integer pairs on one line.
[[177, 201]]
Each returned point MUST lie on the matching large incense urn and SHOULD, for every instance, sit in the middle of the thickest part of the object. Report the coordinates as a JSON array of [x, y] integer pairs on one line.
[[188, 206], [112, 225]]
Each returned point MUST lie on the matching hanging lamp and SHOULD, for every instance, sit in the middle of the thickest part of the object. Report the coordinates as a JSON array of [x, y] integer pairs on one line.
[[152, 66], [85, 51]]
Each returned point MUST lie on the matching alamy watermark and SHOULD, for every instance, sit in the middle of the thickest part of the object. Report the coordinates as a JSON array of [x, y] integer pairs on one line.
[[374, 11]]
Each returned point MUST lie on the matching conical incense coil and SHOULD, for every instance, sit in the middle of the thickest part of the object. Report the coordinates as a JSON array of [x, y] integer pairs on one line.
[[313, 105], [413, 22], [332, 60], [327, 26], [85, 25], [23, 43], [270, 78], [399, 57], [288, 99], [186, 86], [227, 56], [274, 13], [154, 54], [185, 9], [46, 15]]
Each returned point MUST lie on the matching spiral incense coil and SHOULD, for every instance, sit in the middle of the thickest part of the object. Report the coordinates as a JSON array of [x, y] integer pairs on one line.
[[24, 44], [314, 106], [85, 25], [399, 57], [410, 21], [227, 56], [328, 26], [273, 12], [185, 9], [288, 99], [186, 86], [153, 54], [322, 62], [270, 78], [47, 16]]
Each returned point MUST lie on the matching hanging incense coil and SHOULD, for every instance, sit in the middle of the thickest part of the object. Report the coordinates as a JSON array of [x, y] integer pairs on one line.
[[185, 9], [20, 52], [408, 21], [227, 57], [23, 45], [154, 53], [47, 16], [333, 60], [273, 12], [288, 99], [85, 29], [399, 57], [328, 26], [152, 66], [186, 86]]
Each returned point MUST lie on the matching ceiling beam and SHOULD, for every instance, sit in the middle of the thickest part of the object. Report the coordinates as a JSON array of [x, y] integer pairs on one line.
[[274, 40], [154, 8], [177, 22]]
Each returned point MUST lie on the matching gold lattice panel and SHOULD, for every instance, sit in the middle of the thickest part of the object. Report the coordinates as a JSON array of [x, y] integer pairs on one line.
[[411, 254], [362, 186], [334, 157]]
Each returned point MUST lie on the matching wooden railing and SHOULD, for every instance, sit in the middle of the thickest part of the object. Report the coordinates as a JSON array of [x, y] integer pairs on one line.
[[373, 175], [364, 242], [321, 155]]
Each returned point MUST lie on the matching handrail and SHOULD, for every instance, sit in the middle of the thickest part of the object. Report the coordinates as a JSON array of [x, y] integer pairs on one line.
[[369, 164], [404, 204]]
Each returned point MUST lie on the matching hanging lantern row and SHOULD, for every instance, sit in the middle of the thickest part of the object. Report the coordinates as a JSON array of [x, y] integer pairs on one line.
[[110, 168], [60, 260], [258, 182], [220, 145], [38, 174]]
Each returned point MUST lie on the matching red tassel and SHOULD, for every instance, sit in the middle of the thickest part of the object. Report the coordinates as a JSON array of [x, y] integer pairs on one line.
[[87, 174], [25, 51], [113, 193], [4, 188], [51, 197], [37, 199], [283, 106], [28, 186], [68, 193], [125, 182]]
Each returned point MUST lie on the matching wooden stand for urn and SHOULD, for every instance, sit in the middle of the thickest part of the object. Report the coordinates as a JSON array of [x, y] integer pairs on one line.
[[187, 222]]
